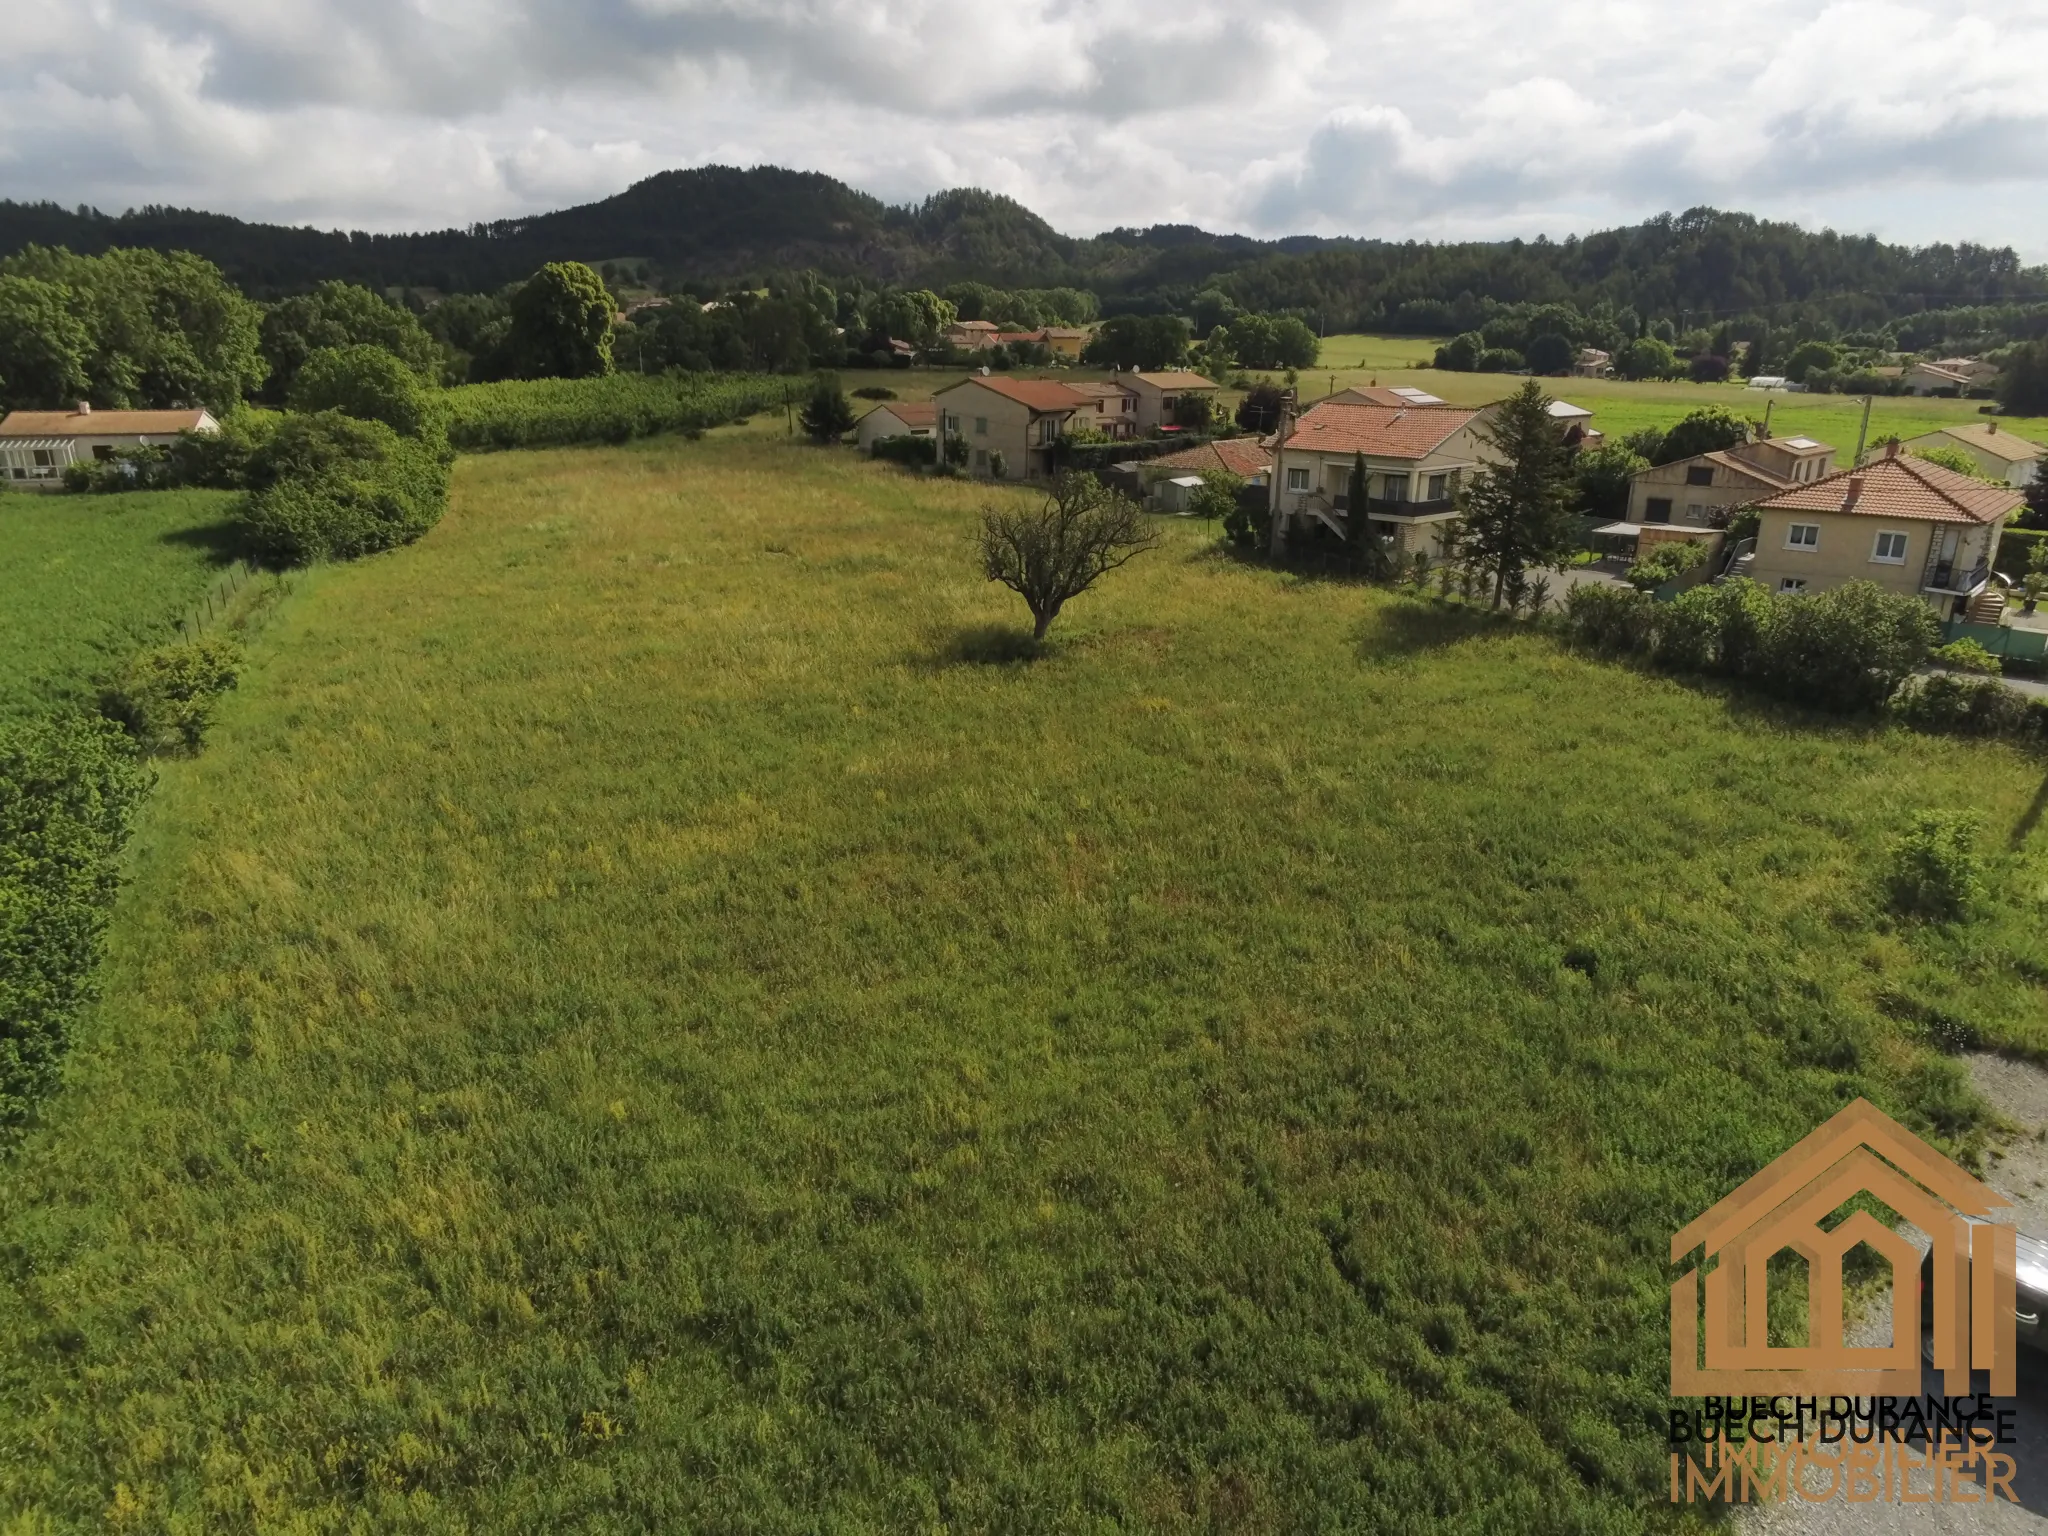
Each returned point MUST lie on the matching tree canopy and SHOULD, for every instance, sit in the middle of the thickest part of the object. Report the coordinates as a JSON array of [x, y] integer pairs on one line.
[[561, 324]]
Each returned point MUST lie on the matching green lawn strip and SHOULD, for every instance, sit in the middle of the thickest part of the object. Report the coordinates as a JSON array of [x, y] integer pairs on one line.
[[623, 1029], [89, 580]]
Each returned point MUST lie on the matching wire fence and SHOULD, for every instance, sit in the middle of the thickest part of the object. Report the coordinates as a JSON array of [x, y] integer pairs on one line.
[[212, 606]]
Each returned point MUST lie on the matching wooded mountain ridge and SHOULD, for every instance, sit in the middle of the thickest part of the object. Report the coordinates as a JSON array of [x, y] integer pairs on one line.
[[723, 225]]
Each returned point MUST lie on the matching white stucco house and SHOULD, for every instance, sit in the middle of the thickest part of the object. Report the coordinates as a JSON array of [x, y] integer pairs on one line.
[[37, 446]]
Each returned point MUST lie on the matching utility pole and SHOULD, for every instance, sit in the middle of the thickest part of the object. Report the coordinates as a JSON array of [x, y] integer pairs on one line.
[[1862, 433]]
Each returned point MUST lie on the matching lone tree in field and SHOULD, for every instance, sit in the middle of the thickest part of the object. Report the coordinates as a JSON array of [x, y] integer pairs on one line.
[[1060, 548], [1518, 510], [828, 414]]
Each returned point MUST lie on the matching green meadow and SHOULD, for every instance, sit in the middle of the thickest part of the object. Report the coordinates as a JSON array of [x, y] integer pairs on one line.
[[1620, 407], [89, 580], [642, 1018]]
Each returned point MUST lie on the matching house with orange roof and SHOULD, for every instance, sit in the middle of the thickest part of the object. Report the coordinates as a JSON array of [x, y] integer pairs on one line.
[[1159, 395], [1910, 526], [37, 446], [1417, 458], [1012, 427], [897, 418]]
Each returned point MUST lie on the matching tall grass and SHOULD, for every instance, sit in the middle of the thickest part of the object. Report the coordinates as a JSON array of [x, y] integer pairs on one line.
[[638, 1022], [85, 581], [552, 412]]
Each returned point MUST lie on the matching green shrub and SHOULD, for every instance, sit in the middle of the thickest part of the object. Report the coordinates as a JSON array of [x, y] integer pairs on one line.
[[1611, 619], [1934, 868], [68, 789], [906, 449], [1848, 648], [165, 696], [1967, 656], [1724, 628], [125, 469], [1964, 706], [329, 487], [1666, 563], [1951, 458], [367, 383]]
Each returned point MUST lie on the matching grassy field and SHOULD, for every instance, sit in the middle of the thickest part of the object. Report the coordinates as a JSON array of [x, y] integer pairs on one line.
[[1620, 407], [637, 1022], [91, 579]]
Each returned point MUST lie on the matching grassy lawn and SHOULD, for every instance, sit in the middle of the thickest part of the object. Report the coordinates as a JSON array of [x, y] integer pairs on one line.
[[635, 1022], [91, 579]]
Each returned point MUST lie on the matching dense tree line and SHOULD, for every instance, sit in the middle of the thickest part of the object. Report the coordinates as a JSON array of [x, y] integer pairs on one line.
[[727, 228]]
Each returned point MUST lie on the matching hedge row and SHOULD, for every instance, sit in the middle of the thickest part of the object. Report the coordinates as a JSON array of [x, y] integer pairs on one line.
[[533, 413], [1852, 649], [68, 790]]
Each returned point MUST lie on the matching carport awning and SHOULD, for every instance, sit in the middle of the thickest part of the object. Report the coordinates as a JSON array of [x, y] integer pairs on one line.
[[1622, 530]]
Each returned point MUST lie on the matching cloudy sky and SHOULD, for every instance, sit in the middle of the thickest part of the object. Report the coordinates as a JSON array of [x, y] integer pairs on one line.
[[1916, 119]]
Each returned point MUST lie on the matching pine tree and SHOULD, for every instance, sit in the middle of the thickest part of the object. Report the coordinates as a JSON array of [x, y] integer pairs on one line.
[[1518, 510]]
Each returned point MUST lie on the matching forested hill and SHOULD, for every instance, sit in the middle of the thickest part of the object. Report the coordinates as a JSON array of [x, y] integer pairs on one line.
[[719, 225]]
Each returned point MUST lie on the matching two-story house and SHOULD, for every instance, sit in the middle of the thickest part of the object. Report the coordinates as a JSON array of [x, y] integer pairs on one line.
[[1704, 490], [1417, 458], [1011, 426], [1911, 526], [1159, 395], [1115, 412]]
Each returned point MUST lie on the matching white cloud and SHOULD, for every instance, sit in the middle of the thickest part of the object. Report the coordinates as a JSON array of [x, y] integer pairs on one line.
[[1920, 119]]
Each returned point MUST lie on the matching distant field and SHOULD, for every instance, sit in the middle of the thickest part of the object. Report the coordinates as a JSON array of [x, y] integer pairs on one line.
[[634, 1023], [1621, 407], [87, 580]]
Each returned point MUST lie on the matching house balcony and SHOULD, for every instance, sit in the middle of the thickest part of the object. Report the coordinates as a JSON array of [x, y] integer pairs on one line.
[[1954, 579], [1380, 507]]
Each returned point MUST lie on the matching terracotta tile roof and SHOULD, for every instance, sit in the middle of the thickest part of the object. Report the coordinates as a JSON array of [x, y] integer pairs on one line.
[[1100, 391], [1173, 380], [1239, 455], [973, 325], [1338, 426], [101, 423], [1902, 487], [912, 413], [1043, 395], [1997, 442]]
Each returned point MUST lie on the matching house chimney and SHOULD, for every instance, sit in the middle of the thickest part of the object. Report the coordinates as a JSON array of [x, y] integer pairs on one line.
[[85, 407], [1992, 424], [1855, 492], [1891, 448]]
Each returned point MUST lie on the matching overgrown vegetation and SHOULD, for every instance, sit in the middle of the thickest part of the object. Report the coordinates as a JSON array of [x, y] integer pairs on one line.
[[1847, 649], [68, 787], [1935, 871], [165, 696], [1020, 1096], [549, 412]]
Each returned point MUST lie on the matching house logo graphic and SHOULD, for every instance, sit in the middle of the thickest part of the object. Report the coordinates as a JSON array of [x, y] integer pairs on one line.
[[1859, 1151]]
